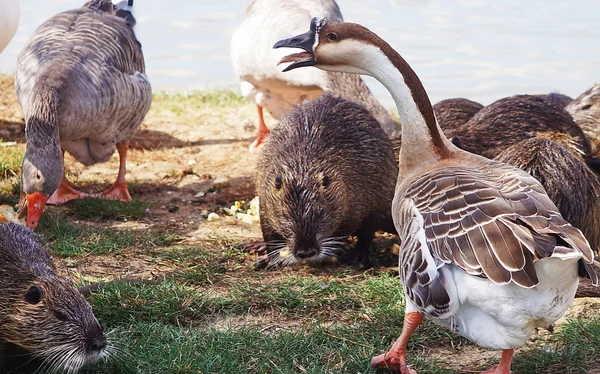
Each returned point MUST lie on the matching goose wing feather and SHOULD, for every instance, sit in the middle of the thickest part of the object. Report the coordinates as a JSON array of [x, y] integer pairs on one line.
[[492, 222]]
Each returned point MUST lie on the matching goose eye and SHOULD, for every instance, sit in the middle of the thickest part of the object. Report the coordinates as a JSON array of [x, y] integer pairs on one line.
[[38, 176], [33, 295], [278, 182], [586, 107], [332, 36]]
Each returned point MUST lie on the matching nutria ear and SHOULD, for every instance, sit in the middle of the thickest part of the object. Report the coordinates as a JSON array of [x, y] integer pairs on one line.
[[34, 295]]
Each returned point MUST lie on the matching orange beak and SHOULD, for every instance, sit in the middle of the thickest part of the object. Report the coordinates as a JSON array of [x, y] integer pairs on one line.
[[36, 202]]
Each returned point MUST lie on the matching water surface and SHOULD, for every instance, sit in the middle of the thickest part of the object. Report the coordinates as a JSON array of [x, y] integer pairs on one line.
[[480, 49]]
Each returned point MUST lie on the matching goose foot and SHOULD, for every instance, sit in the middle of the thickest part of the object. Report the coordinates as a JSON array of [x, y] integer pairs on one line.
[[65, 192], [504, 366], [395, 358], [118, 191], [263, 131]]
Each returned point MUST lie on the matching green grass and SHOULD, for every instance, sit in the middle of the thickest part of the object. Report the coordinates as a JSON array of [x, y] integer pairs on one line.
[[67, 238], [179, 103], [11, 158], [96, 208]]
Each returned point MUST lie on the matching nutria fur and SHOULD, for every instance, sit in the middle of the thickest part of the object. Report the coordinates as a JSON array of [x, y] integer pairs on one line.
[[556, 99], [585, 110], [571, 185], [40, 312], [327, 172], [451, 114], [514, 119]]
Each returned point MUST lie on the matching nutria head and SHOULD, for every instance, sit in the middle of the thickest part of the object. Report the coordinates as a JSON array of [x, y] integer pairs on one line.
[[41, 312]]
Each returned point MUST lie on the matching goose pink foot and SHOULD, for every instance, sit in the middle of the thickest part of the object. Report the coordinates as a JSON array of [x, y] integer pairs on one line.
[[119, 190], [395, 358], [504, 366], [65, 192], [263, 131]]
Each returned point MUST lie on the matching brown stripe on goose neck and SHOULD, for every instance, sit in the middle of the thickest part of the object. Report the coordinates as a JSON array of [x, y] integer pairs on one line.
[[411, 79]]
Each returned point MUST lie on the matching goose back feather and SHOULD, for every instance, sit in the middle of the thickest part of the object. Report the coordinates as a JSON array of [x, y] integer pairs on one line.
[[90, 62]]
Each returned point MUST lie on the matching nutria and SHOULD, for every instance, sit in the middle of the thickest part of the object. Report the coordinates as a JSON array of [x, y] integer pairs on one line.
[[453, 113], [570, 184], [585, 110], [327, 172], [40, 312], [556, 99], [514, 119]]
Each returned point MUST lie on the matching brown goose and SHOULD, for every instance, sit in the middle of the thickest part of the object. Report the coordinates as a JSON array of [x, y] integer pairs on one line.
[[254, 62], [451, 114], [82, 85], [485, 252], [585, 110]]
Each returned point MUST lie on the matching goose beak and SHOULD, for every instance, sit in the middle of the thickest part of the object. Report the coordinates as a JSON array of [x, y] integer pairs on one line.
[[304, 41], [35, 204]]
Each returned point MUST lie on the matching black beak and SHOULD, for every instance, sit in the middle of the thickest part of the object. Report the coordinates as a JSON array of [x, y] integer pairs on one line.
[[304, 41]]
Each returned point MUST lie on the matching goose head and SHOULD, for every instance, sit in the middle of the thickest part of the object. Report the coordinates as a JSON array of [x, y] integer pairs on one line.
[[332, 46], [41, 174]]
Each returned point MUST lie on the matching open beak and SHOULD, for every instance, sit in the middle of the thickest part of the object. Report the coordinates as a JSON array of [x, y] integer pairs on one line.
[[34, 206], [304, 41]]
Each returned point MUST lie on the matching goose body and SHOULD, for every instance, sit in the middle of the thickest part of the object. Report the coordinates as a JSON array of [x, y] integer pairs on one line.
[[480, 238], [254, 62], [82, 86], [10, 12]]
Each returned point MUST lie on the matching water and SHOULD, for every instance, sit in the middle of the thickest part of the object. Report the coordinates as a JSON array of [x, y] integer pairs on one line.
[[479, 49]]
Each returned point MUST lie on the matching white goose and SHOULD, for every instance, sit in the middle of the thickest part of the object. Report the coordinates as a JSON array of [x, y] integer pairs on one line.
[[485, 252], [10, 12], [254, 62]]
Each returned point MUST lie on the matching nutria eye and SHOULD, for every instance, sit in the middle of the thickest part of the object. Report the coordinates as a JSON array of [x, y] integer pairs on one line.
[[278, 182], [332, 36], [586, 107], [325, 182], [34, 295], [61, 316]]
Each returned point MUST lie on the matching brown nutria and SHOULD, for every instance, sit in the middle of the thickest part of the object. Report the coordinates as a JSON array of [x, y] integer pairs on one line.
[[556, 99], [570, 184], [453, 113], [585, 110], [514, 119], [40, 312], [328, 171]]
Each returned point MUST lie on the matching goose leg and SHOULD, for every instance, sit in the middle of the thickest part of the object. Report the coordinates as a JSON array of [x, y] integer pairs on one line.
[[119, 190], [263, 131], [395, 358], [65, 191], [504, 366]]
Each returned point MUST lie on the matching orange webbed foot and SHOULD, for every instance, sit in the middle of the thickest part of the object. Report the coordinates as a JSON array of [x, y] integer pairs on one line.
[[118, 191], [65, 193], [392, 361]]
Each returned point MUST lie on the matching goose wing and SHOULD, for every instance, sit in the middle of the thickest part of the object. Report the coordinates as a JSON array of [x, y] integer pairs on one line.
[[492, 222]]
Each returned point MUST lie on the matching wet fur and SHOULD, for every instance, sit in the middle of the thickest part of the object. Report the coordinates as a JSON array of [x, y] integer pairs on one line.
[[451, 114], [337, 140], [40, 329]]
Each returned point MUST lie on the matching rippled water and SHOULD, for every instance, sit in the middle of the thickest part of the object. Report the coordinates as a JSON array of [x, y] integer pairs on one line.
[[480, 49]]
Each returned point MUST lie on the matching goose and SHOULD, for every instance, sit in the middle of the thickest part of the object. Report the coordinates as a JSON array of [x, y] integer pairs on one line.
[[451, 114], [254, 63], [82, 87], [485, 252], [585, 110], [10, 13]]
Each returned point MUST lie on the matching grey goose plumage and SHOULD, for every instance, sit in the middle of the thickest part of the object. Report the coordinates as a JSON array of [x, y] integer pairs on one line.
[[484, 252], [82, 86]]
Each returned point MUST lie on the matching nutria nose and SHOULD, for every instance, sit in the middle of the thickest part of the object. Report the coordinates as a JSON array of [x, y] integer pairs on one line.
[[96, 343], [306, 253]]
